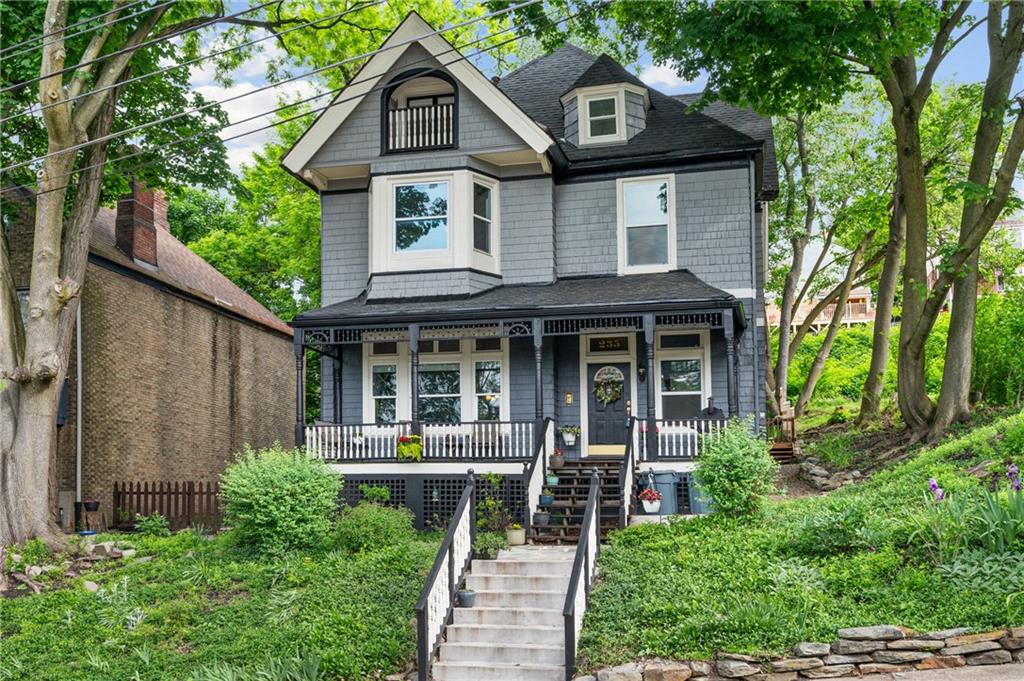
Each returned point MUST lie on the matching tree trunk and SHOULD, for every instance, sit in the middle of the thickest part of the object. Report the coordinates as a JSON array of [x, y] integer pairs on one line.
[[807, 391], [954, 399], [871, 400]]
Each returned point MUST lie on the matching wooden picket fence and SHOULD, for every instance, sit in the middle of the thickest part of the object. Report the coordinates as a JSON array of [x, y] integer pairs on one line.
[[182, 503]]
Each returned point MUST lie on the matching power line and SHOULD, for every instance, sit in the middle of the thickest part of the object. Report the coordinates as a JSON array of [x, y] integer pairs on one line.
[[77, 23], [318, 109], [106, 24], [32, 109], [209, 105], [142, 45]]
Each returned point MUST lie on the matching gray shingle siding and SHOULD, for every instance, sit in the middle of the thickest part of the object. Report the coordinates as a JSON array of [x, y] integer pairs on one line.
[[572, 121], [527, 231], [344, 245], [419, 284], [351, 386], [585, 236], [713, 227], [358, 139], [636, 116]]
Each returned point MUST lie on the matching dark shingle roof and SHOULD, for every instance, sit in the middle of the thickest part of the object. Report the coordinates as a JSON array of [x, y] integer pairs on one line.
[[680, 287], [749, 122], [671, 131]]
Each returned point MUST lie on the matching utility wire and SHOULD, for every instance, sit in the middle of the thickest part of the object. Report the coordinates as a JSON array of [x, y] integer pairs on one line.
[[208, 105], [105, 24], [323, 108], [33, 109], [142, 45], [70, 26]]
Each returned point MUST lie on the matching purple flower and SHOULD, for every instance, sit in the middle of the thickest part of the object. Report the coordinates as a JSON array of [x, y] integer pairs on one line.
[[1015, 484], [1013, 472], [933, 485]]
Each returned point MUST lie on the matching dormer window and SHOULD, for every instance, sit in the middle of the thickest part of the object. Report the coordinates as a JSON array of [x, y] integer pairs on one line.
[[421, 112], [602, 119], [605, 114]]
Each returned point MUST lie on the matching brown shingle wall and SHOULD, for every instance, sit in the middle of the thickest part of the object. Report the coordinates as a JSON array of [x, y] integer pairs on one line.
[[172, 388]]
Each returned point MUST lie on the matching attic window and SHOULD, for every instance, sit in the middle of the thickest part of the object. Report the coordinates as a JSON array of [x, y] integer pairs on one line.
[[602, 113], [601, 117]]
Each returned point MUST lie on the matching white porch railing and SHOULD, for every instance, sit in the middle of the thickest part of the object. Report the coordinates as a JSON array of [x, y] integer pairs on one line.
[[355, 442], [680, 439], [536, 469], [421, 127]]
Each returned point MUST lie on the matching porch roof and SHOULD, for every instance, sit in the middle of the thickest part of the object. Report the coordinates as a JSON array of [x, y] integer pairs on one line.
[[677, 290]]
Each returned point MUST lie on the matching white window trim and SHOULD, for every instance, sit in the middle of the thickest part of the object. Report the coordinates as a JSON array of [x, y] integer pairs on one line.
[[616, 92], [672, 245], [703, 353], [467, 385], [460, 253]]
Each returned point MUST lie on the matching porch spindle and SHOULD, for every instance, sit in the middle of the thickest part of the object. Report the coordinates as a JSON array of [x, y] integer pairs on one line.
[[414, 376], [652, 414]]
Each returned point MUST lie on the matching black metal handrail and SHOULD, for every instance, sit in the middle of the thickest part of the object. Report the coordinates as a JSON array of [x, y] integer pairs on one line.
[[426, 642], [627, 474], [583, 567], [539, 459]]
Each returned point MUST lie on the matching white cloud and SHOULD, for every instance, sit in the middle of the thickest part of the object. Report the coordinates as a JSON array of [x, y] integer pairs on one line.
[[664, 78]]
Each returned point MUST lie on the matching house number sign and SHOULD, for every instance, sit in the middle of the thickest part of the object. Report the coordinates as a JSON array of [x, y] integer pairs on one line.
[[610, 344]]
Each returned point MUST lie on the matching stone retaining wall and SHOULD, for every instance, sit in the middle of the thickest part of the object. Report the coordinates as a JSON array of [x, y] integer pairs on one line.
[[858, 651]]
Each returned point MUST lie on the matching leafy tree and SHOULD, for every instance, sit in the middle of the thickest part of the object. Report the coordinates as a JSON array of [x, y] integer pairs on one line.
[[193, 213]]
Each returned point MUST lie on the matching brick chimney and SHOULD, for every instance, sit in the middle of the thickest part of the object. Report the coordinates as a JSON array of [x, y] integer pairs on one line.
[[160, 210], [134, 230]]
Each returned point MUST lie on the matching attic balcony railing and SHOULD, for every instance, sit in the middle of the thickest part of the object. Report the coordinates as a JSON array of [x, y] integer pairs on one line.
[[421, 127], [464, 441]]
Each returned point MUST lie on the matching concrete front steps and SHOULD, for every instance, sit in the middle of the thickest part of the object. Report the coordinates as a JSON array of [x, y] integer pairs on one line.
[[515, 630]]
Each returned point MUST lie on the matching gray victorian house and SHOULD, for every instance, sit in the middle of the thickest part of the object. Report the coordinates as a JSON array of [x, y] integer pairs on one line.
[[561, 258]]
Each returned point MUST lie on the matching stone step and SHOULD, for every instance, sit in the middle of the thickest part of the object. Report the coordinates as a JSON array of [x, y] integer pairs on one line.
[[523, 568], [507, 653], [477, 671], [521, 599], [543, 553], [478, 582], [508, 616], [504, 633]]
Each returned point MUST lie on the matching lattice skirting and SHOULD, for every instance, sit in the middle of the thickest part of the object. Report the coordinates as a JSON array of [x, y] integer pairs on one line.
[[433, 498]]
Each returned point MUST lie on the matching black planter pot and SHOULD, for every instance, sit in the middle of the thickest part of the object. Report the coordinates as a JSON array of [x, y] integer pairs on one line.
[[91, 505], [467, 598], [541, 519]]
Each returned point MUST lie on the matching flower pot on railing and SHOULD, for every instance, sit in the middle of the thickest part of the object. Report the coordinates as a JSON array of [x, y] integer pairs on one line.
[[467, 598], [515, 535], [652, 507], [409, 448], [569, 435], [541, 518]]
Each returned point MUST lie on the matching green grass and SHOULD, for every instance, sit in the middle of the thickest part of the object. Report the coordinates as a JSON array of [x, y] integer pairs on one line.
[[198, 603], [803, 568]]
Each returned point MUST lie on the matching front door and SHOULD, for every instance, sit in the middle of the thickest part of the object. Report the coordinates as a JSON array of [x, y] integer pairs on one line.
[[609, 405]]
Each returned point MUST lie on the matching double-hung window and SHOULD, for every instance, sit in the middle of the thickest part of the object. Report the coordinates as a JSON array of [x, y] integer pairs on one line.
[[440, 398], [481, 217], [384, 392], [647, 229], [421, 216], [487, 381], [681, 382], [602, 118]]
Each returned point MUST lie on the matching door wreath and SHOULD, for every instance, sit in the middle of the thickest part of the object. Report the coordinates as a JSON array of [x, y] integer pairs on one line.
[[608, 385]]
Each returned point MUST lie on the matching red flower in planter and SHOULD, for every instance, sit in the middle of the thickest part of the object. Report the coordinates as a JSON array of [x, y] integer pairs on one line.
[[649, 494]]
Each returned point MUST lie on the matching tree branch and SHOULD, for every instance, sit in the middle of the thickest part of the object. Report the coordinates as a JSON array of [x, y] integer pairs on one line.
[[938, 53]]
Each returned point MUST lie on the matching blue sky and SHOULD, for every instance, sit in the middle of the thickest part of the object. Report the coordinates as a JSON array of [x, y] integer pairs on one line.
[[967, 63]]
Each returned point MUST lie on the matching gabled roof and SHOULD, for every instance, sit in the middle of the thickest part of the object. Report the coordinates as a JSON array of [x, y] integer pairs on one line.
[[412, 30], [679, 289], [671, 131], [181, 269]]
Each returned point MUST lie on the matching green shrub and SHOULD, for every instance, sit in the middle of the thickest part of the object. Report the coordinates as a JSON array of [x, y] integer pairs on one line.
[[368, 526], [488, 544], [839, 527], [375, 494], [736, 470], [279, 500], [491, 512], [154, 525]]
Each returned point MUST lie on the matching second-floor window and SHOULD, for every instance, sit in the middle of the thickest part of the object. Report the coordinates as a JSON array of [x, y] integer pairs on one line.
[[421, 216], [647, 231], [481, 217]]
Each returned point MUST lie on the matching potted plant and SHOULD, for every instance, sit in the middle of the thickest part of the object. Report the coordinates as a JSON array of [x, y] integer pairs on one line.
[[557, 459], [551, 479], [569, 435], [467, 597], [515, 535], [547, 497], [652, 500], [541, 518], [357, 439], [409, 448], [91, 505]]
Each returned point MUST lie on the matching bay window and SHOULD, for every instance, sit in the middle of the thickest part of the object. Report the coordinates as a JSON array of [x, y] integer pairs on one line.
[[481, 217], [647, 225], [421, 216]]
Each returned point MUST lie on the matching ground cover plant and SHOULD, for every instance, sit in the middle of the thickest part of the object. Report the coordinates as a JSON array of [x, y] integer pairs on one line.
[[214, 608], [887, 551]]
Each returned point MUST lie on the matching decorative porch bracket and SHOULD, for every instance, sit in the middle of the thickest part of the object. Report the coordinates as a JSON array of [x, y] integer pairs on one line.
[[652, 429]]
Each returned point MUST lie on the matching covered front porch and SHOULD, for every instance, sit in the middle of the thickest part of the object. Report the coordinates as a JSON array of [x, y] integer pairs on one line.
[[472, 380]]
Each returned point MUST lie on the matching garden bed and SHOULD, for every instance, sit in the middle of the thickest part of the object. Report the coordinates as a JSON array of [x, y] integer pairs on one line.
[[802, 569]]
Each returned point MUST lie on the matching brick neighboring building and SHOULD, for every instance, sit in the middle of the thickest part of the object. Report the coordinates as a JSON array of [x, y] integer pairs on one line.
[[180, 367]]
